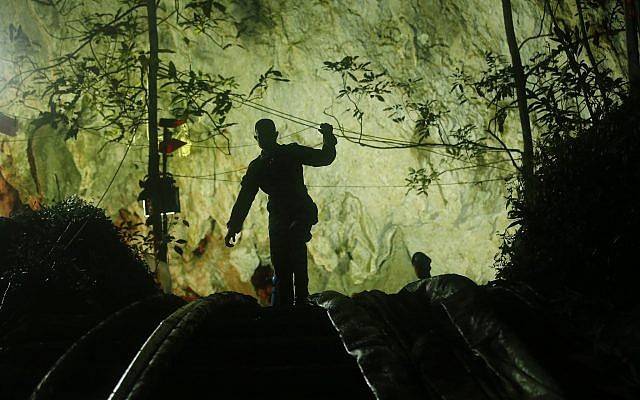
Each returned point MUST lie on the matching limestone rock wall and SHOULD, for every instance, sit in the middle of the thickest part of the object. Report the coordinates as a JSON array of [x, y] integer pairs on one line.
[[369, 226]]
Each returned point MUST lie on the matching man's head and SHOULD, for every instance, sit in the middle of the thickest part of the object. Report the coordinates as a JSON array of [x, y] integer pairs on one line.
[[421, 265], [262, 281], [265, 133]]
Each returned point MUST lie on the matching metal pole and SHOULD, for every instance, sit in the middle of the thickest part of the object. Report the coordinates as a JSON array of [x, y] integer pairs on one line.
[[163, 253], [159, 245]]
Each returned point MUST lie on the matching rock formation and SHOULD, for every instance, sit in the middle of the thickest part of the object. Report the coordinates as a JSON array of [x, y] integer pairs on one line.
[[369, 225]]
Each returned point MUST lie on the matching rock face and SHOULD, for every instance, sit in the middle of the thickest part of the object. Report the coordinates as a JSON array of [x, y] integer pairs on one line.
[[369, 226]]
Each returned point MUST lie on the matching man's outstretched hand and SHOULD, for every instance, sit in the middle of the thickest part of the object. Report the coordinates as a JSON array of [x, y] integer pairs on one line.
[[230, 239], [326, 128]]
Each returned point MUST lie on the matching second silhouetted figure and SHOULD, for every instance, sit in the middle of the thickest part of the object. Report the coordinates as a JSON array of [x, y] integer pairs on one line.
[[277, 171]]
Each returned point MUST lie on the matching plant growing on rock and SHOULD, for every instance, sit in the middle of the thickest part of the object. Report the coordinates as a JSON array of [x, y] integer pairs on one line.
[[427, 119], [105, 82], [564, 87], [99, 82], [41, 271]]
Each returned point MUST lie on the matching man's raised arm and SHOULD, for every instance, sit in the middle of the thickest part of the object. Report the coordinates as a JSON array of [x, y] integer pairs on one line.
[[320, 157]]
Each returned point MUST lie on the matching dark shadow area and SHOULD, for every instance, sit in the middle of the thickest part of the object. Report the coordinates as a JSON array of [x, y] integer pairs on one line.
[[92, 366], [447, 338], [576, 249], [62, 270], [437, 338], [227, 346]]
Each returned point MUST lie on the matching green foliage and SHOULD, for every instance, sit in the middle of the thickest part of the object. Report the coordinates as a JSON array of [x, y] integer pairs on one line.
[[429, 120], [195, 94], [99, 82], [263, 81], [577, 243], [419, 180], [581, 232], [359, 81], [209, 18], [568, 90], [586, 155], [140, 239], [67, 258]]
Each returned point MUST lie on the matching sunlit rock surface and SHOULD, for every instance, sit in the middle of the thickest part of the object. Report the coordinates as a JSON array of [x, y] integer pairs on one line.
[[366, 234]]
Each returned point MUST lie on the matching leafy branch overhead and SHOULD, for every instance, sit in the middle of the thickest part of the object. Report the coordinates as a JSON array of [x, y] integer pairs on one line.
[[568, 86], [99, 83], [428, 119], [420, 179], [211, 19], [359, 81], [263, 81], [194, 94]]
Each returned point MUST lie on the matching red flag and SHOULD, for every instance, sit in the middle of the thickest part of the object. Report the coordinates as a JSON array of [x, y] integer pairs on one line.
[[169, 146]]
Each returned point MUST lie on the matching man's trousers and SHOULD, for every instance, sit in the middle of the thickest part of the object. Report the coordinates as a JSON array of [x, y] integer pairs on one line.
[[288, 243]]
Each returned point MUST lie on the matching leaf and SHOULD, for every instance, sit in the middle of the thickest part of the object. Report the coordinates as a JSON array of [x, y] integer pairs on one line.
[[172, 70], [72, 133], [220, 7], [514, 223], [45, 118]]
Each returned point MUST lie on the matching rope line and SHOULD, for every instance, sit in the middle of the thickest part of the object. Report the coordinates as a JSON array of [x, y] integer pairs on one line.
[[385, 143], [214, 174], [389, 143], [248, 144], [504, 178], [104, 194], [381, 139]]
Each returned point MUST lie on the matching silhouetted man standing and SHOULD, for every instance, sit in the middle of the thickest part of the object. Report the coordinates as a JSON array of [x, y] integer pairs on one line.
[[292, 213]]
